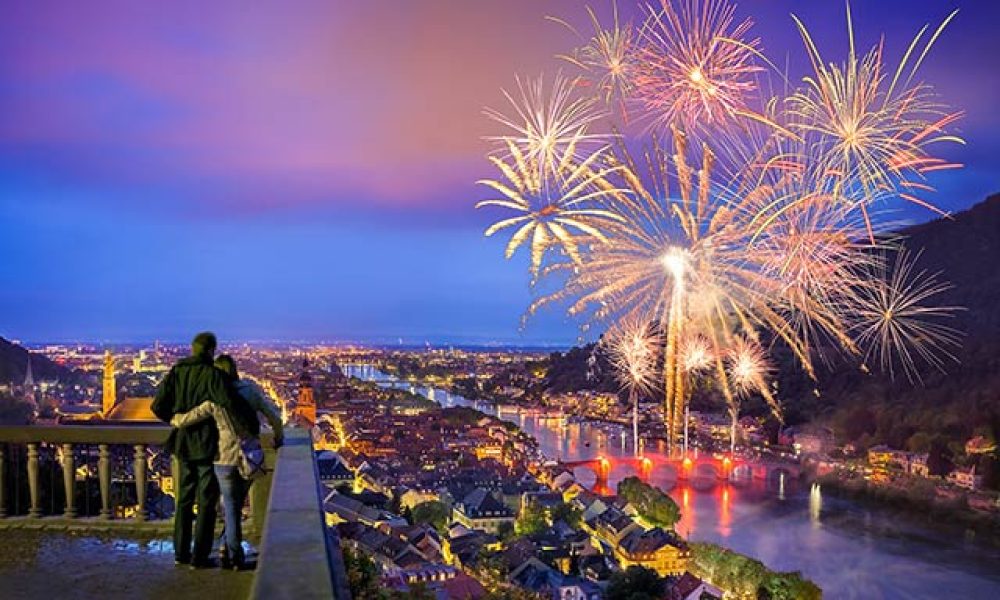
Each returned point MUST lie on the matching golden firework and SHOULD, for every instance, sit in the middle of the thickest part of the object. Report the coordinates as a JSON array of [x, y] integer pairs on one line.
[[608, 58], [869, 130], [549, 126], [898, 322], [554, 212]]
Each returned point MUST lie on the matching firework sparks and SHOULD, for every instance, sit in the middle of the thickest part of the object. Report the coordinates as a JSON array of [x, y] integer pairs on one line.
[[748, 366], [557, 213], [762, 232], [696, 354], [608, 58], [632, 347], [693, 68], [869, 130], [549, 126], [689, 263], [898, 324]]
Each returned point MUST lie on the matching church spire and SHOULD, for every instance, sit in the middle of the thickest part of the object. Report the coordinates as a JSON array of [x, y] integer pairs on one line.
[[29, 377]]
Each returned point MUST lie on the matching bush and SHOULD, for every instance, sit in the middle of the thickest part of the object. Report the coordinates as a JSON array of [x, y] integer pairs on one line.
[[635, 583]]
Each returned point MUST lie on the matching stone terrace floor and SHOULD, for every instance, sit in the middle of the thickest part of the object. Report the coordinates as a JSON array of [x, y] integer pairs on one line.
[[53, 565]]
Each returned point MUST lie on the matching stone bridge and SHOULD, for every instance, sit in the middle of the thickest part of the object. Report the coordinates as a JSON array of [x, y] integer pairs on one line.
[[705, 466]]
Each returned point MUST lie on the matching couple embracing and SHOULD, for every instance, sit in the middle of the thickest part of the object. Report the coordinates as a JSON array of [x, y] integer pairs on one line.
[[215, 439]]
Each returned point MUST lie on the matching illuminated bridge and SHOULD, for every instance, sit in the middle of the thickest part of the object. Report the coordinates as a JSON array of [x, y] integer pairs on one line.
[[705, 466]]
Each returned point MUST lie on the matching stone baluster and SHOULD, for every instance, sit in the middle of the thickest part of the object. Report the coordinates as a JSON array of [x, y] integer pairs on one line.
[[3, 489], [139, 466], [35, 510], [104, 478], [69, 480]]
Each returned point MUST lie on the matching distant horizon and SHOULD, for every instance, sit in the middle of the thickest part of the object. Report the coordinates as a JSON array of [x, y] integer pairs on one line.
[[374, 343]]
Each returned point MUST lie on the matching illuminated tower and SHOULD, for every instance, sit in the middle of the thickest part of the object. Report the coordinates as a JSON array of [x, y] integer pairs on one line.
[[110, 392], [305, 408]]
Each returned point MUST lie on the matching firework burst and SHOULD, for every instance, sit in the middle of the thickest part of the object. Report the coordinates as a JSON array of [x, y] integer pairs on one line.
[[549, 126], [870, 130], [696, 354], [694, 69], [554, 213], [689, 262], [898, 323], [632, 346], [748, 366], [608, 58]]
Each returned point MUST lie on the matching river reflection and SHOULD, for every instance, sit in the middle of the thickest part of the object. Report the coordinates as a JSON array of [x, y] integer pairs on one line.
[[849, 550]]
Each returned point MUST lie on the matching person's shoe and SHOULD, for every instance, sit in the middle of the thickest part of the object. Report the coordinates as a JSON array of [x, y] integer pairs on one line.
[[207, 563], [244, 565], [180, 561]]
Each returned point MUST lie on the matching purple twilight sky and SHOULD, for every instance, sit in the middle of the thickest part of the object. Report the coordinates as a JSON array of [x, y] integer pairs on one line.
[[305, 170]]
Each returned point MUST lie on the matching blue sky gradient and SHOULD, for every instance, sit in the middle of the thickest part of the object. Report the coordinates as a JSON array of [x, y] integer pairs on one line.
[[306, 170]]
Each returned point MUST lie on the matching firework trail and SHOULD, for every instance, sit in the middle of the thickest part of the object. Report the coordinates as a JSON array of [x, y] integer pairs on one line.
[[632, 346], [607, 59]]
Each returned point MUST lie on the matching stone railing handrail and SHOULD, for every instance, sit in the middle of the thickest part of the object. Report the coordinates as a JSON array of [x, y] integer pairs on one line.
[[296, 558], [152, 434]]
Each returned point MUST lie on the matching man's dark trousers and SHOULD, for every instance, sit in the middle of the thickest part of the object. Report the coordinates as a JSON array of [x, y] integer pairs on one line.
[[196, 483]]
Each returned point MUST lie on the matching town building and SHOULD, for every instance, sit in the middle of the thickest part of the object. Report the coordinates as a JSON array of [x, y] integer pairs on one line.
[[481, 510], [966, 477]]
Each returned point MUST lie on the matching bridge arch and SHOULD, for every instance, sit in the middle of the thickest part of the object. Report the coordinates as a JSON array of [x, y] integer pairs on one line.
[[704, 469]]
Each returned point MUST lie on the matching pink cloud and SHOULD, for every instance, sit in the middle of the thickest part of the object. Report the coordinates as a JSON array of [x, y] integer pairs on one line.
[[379, 99]]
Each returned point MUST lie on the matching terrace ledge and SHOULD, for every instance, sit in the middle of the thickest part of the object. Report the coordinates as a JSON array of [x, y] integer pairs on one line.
[[298, 559]]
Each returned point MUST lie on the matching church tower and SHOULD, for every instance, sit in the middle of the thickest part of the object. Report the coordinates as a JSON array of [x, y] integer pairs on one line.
[[305, 408], [110, 391], [29, 384]]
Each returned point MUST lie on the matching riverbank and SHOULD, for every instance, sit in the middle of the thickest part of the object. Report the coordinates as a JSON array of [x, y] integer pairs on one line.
[[919, 504]]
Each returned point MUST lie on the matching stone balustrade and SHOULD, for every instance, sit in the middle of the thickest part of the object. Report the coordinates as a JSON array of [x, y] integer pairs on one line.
[[299, 557], [68, 439]]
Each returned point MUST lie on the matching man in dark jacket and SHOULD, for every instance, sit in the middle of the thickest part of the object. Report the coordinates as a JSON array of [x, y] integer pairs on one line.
[[190, 382]]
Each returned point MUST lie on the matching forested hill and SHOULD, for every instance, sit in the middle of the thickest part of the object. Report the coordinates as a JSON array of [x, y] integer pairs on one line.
[[14, 363], [949, 407]]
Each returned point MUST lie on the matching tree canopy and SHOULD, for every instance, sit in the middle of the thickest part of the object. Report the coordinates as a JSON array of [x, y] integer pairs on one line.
[[652, 504], [437, 514], [635, 583]]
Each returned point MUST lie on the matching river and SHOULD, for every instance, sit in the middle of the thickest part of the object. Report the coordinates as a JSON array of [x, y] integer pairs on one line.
[[851, 551]]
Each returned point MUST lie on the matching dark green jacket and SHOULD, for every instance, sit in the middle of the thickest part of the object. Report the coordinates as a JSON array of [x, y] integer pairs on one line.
[[190, 382]]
